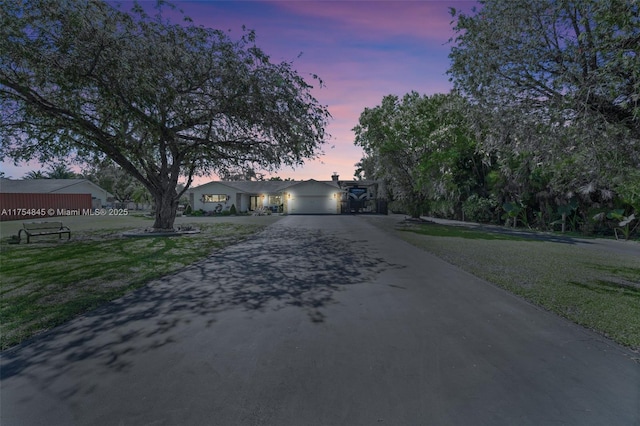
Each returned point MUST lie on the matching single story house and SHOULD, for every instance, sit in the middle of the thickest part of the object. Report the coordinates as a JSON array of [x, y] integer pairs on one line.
[[99, 196], [28, 198], [287, 197]]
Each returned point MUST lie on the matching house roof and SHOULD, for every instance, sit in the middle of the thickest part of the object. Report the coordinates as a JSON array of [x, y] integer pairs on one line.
[[260, 186], [44, 186], [326, 182], [362, 182]]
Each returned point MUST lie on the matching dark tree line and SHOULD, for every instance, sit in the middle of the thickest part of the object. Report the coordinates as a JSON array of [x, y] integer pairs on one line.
[[543, 126]]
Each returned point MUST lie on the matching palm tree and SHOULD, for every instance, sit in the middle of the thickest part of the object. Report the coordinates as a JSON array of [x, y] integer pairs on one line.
[[35, 174], [60, 171]]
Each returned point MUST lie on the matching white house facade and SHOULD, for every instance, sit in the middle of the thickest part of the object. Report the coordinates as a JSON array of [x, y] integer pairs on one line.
[[290, 197], [287, 197]]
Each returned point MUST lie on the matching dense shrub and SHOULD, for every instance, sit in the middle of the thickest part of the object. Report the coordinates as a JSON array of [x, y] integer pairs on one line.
[[479, 209]]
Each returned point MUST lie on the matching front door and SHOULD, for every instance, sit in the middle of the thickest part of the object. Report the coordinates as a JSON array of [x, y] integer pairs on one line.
[[253, 203]]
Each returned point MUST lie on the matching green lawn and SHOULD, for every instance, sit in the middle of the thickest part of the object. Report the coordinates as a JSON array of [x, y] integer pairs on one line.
[[595, 288], [49, 281]]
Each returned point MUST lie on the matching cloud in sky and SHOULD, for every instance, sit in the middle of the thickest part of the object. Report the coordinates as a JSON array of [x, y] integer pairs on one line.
[[362, 50], [379, 20]]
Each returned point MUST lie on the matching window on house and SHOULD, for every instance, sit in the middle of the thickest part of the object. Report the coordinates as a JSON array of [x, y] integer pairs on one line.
[[214, 198], [275, 200]]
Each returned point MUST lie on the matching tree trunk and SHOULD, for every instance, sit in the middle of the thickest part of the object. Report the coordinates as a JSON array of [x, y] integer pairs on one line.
[[166, 207], [414, 211]]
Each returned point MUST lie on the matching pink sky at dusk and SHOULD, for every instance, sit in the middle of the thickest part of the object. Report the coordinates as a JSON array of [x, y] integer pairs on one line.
[[362, 50]]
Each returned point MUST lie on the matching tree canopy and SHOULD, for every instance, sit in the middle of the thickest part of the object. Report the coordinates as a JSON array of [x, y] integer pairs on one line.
[[163, 101], [110, 177], [414, 144], [55, 171], [542, 127], [557, 82]]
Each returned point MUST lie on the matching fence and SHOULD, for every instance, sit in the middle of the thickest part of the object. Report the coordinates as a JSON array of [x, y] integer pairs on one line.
[[350, 205], [16, 206]]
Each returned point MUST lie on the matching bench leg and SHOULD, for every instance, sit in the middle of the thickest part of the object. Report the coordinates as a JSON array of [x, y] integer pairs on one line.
[[20, 235]]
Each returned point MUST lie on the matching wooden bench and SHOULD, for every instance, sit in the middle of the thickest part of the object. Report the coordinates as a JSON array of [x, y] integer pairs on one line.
[[34, 229]]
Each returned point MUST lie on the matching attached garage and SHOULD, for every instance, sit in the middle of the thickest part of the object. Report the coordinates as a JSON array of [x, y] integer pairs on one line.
[[313, 197], [311, 205]]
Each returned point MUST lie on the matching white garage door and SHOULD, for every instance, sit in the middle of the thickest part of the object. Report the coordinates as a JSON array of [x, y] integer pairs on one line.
[[313, 205]]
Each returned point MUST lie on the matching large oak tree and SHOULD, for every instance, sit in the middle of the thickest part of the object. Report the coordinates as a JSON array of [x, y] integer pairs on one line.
[[164, 101]]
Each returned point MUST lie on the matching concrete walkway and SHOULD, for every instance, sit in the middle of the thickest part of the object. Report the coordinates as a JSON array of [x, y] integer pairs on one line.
[[320, 320]]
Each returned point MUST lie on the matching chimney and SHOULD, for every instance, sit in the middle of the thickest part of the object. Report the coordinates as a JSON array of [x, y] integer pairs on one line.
[[334, 177]]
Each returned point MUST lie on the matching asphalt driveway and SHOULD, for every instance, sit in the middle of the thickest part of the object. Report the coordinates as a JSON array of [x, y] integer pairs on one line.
[[320, 320]]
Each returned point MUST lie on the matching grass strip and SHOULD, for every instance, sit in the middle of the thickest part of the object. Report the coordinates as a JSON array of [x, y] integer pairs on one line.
[[594, 288], [48, 282]]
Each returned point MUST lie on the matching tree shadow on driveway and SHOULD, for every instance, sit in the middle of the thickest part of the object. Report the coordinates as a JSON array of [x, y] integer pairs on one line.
[[279, 267]]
